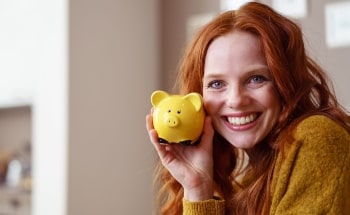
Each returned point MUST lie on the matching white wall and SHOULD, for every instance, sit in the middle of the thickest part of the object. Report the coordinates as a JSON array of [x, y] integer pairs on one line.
[[18, 42], [50, 112]]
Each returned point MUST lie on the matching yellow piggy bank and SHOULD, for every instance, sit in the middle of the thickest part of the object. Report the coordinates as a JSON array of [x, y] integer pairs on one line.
[[178, 118]]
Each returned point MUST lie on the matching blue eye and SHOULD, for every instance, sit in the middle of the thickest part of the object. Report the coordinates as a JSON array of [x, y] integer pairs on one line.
[[215, 84], [257, 79]]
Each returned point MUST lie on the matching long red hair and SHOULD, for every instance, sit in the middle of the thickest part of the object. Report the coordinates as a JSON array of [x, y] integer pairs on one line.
[[303, 87]]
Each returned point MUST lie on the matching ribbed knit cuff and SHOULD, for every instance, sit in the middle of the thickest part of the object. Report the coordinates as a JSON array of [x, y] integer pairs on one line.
[[207, 207]]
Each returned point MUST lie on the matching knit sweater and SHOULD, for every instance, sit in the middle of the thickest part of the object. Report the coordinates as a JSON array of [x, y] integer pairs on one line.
[[312, 177]]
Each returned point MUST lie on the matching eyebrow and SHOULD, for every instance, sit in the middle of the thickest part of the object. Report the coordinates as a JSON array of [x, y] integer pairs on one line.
[[257, 68], [263, 69]]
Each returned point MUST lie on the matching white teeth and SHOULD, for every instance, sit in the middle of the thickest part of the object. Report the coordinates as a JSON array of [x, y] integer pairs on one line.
[[241, 120]]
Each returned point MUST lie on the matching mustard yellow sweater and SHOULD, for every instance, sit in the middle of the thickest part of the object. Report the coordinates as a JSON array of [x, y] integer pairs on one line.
[[312, 178]]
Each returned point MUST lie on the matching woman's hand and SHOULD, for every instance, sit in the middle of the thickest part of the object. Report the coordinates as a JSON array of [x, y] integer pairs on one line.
[[191, 166]]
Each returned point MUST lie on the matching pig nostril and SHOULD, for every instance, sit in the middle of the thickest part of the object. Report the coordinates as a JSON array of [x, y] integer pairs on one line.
[[172, 122]]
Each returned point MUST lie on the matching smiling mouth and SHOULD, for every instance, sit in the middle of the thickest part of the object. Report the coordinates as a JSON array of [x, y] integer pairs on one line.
[[243, 120]]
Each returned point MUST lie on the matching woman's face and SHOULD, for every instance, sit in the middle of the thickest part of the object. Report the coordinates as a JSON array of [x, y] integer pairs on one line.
[[238, 90]]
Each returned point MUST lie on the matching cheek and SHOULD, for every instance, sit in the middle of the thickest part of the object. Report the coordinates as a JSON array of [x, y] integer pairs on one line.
[[272, 101], [210, 104]]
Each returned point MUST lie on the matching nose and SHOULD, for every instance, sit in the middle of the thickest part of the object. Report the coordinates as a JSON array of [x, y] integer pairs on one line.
[[237, 97], [171, 121]]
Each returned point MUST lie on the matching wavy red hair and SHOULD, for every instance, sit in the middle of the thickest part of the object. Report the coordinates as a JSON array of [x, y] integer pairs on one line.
[[303, 87]]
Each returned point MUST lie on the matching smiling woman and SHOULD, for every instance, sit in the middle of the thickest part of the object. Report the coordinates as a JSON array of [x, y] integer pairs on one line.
[[265, 98]]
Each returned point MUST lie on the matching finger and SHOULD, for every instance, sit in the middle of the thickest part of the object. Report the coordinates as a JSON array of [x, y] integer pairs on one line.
[[149, 122], [151, 131], [208, 133], [154, 136]]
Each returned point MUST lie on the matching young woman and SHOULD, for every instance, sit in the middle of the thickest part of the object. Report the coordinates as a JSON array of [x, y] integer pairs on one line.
[[275, 139]]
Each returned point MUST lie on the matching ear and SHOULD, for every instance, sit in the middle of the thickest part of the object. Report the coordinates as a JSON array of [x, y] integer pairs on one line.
[[158, 96], [195, 99]]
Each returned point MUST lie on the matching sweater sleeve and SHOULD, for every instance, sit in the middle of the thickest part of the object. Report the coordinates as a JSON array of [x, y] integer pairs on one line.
[[313, 176], [207, 207]]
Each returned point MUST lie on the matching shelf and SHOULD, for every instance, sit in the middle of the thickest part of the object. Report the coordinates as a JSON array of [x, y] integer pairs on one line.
[[14, 103]]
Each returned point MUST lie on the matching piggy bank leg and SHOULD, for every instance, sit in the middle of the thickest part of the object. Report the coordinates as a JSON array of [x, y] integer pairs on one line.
[[163, 141], [189, 142], [186, 142]]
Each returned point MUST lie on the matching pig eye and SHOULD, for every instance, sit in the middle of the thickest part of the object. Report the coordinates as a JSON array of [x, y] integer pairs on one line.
[[179, 111]]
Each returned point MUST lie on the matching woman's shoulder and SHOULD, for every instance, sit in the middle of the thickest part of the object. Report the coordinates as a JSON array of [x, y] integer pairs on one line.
[[303, 181], [320, 126], [321, 132]]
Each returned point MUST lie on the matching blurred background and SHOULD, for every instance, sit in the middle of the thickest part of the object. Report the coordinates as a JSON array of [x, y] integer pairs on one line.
[[75, 83]]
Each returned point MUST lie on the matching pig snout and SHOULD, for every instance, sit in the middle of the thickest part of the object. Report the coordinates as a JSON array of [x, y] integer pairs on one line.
[[172, 121]]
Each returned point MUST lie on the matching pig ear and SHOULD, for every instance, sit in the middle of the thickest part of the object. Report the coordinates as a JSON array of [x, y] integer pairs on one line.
[[158, 96], [195, 99]]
